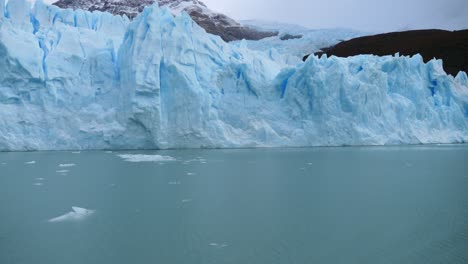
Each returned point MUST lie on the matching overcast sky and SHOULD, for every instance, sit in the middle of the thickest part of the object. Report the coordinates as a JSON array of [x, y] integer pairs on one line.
[[367, 15]]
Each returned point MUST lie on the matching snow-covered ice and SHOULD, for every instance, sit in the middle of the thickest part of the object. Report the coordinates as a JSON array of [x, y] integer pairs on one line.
[[80, 80]]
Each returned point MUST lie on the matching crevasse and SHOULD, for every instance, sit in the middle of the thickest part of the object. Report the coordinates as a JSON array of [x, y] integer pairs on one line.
[[81, 80]]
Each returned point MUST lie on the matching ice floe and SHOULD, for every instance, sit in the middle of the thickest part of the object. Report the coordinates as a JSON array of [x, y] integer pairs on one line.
[[67, 165], [174, 183], [218, 245], [77, 214]]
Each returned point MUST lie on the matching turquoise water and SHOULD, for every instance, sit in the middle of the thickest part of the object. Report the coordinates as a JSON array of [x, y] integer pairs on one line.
[[319, 205]]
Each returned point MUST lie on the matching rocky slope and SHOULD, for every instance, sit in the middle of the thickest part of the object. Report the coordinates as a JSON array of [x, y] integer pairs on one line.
[[451, 47], [215, 23]]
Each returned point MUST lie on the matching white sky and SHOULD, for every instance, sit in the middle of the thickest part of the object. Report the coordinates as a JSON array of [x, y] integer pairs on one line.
[[367, 15]]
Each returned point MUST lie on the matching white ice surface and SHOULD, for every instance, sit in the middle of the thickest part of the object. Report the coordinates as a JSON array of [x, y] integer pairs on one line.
[[77, 214]]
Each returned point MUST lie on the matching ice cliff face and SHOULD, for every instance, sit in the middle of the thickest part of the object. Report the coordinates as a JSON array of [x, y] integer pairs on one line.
[[213, 22], [81, 80]]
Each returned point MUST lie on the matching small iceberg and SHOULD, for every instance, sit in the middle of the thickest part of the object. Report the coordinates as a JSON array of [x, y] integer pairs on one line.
[[30, 162], [174, 183], [78, 214], [218, 245], [67, 165], [38, 184], [145, 158]]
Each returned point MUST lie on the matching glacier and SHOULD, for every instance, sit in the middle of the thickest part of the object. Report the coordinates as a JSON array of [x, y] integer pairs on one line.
[[308, 41], [76, 80]]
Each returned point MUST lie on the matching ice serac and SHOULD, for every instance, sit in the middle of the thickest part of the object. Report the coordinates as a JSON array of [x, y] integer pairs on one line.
[[82, 80], [18, 12], [2, 9]]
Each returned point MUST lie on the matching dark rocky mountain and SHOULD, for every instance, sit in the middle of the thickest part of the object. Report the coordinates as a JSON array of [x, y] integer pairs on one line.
[[213, 22], [450, 46]]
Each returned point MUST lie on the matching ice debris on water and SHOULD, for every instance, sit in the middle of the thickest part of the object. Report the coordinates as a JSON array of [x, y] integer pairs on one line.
[[145, 158]]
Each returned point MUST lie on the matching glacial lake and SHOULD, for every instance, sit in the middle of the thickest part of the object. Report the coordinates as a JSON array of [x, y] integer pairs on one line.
[[314, 205]]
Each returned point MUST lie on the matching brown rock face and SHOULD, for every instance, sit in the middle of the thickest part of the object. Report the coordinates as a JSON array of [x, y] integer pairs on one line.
[[214, 23], [451, 47]]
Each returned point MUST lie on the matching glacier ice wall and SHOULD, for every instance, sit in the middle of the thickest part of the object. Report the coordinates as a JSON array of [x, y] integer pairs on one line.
[[80, 80]]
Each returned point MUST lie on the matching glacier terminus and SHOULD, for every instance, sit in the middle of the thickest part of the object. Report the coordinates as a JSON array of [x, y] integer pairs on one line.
[[73, 79]]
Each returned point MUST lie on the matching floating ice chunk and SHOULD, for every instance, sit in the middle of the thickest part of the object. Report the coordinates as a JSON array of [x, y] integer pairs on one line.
[[38, 184], [108, 152], [174, 183], [145, 158], [186, 200], [62, 171], [30, 162], [78, 214], [67, 165], [218, 245], [76, 152], [310, 163], [190, 173], [39, 179]]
